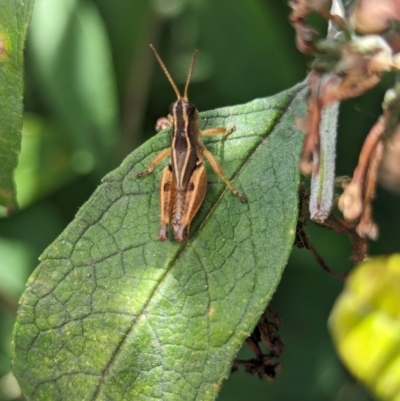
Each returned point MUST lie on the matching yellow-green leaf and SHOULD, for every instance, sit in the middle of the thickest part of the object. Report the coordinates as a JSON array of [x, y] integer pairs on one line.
[[365, 325]]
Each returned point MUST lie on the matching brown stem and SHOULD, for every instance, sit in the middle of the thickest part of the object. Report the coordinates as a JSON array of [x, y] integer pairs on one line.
[[345, 88], [358, 244], [310, 157], [302, 237], [368, 149], [367, 227], [351, 202], [322, 264]]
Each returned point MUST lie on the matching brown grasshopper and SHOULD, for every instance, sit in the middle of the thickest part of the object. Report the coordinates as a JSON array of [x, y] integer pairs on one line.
[[184, 181]]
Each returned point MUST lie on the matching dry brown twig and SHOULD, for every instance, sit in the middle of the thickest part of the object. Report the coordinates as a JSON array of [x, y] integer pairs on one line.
[[333, 223], [355, 63], [263, 365]]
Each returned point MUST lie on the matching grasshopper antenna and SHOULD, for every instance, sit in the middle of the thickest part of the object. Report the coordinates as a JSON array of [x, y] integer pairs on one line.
[[190, 74], [164, 68]]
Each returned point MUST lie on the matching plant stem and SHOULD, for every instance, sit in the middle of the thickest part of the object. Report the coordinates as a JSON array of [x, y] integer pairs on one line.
[[323, 181]]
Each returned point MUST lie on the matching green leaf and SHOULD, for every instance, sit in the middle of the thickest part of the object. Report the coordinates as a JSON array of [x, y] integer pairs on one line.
[[113, 313], [16, 254], [14, 19], [365, 325], [73, 61], [46, 161]]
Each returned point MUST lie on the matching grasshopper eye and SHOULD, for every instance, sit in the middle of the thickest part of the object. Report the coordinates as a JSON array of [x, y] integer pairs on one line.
[[191, 109], [171, 109]]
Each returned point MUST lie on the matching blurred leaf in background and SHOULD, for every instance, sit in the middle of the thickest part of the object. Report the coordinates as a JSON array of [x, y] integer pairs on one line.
[[365, 325], [72, 70], [99, 62], [72, 57]]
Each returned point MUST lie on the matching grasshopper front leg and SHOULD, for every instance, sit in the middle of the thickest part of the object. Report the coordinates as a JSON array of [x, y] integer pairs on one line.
[[162, 123], [218, 131], [157, 159]]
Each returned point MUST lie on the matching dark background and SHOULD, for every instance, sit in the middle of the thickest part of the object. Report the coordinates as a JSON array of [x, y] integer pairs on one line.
[[246, 50]]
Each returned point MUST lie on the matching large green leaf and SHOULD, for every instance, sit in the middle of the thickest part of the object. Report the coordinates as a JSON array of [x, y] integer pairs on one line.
[[14, 19], [114, 314]]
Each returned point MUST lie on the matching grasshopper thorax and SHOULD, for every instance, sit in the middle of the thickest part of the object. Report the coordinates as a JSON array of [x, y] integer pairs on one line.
[[185, 118]]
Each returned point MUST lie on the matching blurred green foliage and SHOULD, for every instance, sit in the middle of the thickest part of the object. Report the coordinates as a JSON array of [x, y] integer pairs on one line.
[[365, 325], [92, 95]]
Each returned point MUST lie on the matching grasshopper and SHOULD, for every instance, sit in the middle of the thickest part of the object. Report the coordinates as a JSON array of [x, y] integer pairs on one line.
[[184, 180]]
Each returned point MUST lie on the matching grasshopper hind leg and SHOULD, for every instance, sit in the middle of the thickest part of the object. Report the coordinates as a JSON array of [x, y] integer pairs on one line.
[[187, 202], [167, 195], [218, 169]]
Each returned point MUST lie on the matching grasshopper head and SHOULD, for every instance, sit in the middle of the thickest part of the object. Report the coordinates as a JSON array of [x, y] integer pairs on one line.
[[181, 110]]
